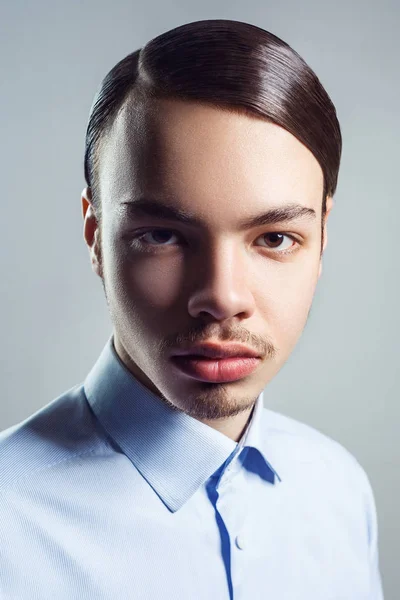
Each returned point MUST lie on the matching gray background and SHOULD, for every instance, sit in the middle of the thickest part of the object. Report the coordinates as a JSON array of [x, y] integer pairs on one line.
[[341, 377]]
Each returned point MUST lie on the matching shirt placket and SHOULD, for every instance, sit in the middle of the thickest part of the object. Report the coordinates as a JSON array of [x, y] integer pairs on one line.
[[233, 506]]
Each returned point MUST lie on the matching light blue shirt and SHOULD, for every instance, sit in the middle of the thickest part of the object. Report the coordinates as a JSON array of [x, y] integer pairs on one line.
[[109, 493]]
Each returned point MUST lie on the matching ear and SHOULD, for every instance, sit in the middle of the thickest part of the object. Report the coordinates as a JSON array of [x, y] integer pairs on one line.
[[91, 231], [329, 205]]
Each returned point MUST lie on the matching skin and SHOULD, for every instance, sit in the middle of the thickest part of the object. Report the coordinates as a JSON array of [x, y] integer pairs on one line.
[[213, 281]]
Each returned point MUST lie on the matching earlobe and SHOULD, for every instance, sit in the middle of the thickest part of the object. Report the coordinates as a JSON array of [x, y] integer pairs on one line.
[[96, 255]]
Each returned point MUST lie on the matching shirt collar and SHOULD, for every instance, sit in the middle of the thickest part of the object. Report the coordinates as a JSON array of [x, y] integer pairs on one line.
[[174, 452]]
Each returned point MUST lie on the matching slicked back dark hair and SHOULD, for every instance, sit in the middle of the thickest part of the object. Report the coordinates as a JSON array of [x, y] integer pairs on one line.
[[233, 66]]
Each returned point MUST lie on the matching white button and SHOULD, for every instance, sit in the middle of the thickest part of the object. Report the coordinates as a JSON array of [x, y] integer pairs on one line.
[[240, 542]]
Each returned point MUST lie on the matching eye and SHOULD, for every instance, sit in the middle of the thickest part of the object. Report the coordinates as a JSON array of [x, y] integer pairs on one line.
[[161, 237], [155, 233], [276, 241]]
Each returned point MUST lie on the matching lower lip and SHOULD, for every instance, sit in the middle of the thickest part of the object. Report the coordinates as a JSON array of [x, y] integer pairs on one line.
[[216, 370]]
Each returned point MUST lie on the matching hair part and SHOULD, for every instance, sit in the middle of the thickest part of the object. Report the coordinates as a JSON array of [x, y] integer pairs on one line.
[[233, 66]]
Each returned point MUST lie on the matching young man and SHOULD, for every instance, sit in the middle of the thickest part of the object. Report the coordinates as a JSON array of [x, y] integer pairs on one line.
[[211, 162]]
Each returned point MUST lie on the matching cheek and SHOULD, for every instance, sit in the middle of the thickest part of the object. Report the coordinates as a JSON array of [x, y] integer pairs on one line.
[[286, 305], [145, 283]]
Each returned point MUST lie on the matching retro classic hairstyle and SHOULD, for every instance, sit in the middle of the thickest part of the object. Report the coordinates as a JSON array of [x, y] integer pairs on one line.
[[233, 66]]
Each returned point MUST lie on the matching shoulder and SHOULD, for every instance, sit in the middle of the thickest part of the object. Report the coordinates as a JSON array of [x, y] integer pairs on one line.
[[321, 473], [293, 442], [306, 442], [61, 430]]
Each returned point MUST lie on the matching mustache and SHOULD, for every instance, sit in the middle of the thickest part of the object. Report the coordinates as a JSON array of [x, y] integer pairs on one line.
[[220, 334]]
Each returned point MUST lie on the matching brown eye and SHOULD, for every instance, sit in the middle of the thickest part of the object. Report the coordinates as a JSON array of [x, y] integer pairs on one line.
[[159, 237], [274, 240]]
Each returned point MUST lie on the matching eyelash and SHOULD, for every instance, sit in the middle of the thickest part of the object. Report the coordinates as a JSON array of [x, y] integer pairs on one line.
[[137, 244]]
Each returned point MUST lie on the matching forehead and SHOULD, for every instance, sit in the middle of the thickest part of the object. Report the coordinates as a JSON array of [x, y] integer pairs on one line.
[[196, 152]]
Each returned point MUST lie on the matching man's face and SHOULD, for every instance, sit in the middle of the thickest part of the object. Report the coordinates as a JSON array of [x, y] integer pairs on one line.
[[186, 283]]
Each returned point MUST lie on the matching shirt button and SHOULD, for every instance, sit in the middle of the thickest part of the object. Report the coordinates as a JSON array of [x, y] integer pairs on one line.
[[240, 542]]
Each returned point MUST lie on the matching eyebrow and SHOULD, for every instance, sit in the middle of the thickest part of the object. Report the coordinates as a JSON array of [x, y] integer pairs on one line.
[[146, 207]]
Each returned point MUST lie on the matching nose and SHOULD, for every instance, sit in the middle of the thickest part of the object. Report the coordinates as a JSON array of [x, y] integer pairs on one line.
[[222, 285]]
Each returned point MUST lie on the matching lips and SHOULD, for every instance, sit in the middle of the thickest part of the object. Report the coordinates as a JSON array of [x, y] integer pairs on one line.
[[217, 351], [216, 363]]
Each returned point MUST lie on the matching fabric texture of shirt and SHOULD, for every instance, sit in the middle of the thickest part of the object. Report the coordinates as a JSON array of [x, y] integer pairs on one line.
[[107, 492]]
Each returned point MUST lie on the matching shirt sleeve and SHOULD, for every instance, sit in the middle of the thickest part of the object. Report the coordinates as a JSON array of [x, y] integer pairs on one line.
[[376, 592]]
